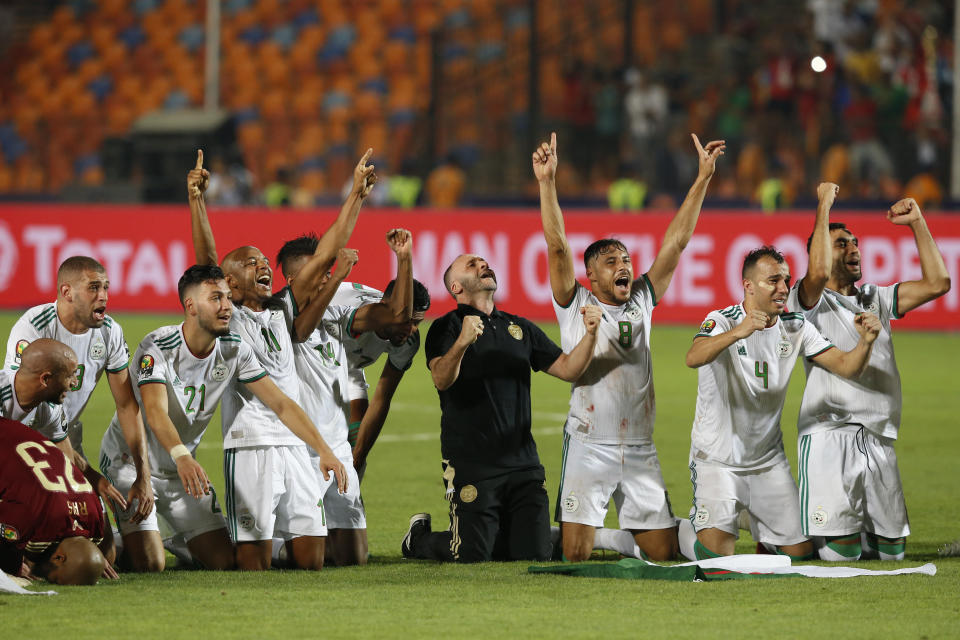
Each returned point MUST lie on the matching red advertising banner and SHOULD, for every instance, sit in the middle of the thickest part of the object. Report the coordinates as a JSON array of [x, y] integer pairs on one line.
[[146, 248]]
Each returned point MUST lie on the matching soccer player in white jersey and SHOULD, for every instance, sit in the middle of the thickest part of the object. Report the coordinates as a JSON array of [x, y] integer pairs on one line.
[[255, 442], [322, 365], [745, 355], [849, 479], [78, 319], [33, 393], [608, 449], [183, 372]]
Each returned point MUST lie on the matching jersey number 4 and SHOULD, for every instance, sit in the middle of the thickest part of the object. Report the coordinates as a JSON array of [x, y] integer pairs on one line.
[[38, 465], [761, 372]]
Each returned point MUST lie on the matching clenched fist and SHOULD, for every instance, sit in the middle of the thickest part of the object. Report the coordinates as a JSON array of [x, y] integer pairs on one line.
[[868, 326], [471, 330], [591, 317], [753, 321]]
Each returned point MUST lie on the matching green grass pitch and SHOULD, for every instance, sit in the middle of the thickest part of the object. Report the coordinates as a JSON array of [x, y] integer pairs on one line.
[[393, 597]]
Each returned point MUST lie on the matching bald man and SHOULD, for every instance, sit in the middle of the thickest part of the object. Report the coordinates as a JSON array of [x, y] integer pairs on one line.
[[480, 359], [78, 319], [256, 443], [50, 518]]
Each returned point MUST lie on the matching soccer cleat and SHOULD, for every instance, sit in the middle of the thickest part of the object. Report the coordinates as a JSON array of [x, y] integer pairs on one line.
[[419, 525], [951, 549]]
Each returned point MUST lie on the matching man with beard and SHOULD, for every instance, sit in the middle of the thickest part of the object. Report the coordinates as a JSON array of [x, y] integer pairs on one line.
[[480, 359], [849, 479], [182, 373], [745, 355]]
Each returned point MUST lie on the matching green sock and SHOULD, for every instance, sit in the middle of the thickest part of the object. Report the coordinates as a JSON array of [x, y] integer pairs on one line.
[[846, 546], [891, 548], [702, 552]]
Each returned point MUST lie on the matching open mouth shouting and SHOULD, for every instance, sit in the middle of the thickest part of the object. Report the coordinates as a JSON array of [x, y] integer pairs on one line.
[[621, 284], [488, 273], [264, 283], [99, 313]]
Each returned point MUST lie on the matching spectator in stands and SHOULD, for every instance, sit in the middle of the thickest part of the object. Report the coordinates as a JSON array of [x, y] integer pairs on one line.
[[646, 105], [445, 184]]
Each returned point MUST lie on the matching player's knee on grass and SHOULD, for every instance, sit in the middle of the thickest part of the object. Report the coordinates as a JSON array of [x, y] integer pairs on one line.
[[798, 552], [713, 543], [346, 547], [213, 550], [659, 545], [143, 552], [840, 548], [306, 552], [576, 548], [253, 556]]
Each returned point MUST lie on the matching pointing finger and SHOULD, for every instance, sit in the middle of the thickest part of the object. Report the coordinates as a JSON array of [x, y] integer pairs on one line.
[[199, 159], [553, 142], [696, 142], [366, 156]]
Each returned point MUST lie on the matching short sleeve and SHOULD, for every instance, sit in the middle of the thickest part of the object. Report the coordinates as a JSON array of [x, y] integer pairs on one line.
[[288, 305], [441, 336], [643, 290], [813, 342], [402, 357], [713, 325], [889, 299], [118, 356], [150, 367], [22, 334], [249, 368], [543, 351]]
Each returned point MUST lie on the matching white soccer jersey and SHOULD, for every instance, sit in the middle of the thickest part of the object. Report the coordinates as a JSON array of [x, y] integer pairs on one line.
[[247, 422], [47, 418], [366, 348], [97, 350], [194, 387], [613, 401], [740, 394], [321, 363], [872, 400]]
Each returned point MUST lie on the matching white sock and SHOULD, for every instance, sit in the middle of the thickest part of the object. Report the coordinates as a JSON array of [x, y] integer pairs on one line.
[[617, 540], [688, 538], [278, 555]]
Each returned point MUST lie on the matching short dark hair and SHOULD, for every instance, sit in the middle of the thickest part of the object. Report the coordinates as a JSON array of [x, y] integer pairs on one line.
[[421, 297], [76, 265], [833, 225], [198, 274], [766, 251], [600, 246], [305, 245]]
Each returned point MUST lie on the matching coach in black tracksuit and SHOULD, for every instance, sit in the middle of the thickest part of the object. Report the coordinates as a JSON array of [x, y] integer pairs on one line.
[[480, 360]]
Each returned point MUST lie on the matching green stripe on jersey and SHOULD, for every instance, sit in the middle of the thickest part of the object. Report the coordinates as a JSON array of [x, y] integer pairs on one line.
[[253, 379], [108, 321], [169, 338], [43, 318], [170, 347]]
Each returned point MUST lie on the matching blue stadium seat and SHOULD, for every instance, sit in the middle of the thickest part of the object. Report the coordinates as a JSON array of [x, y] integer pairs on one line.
[[306, 17], [101, 87], [285, 35], [253, 35], [176, 99], [133, 36], [80, 53], [192, 37]]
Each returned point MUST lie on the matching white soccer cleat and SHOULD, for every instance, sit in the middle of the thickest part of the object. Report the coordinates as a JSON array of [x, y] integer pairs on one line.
[[419, 525]]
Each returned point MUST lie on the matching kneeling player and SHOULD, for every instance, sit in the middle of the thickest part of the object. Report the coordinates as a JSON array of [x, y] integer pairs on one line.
[[745, 355], [51, 518]]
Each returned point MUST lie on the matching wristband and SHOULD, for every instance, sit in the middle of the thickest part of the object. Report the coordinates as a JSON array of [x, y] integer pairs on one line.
[[179, 451]]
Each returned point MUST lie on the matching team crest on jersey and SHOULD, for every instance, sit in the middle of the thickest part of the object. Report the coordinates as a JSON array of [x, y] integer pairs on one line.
[[245, 521], [515, 331], [468, 493], [571, 503], [819, 517], [97, 350], [708, 326], [632, 312], [702, 517], [784, 348], [219, 373], [742, 350], [21, 345], [146, 366], [9, 532]]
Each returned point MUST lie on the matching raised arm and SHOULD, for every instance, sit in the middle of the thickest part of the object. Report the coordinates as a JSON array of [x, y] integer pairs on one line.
[[192, 475], [297, 421], [337, 234], [131, 423], [376, 413], [310, 316], [821, 248], [445, 369], [850, 364], [681, 228], [706, 349], [204, 247], [570, 366], [401, 298], [935, 278], [563, 278]]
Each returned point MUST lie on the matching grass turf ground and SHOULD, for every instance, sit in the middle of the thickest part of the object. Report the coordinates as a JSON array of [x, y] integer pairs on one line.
[[392, 597]]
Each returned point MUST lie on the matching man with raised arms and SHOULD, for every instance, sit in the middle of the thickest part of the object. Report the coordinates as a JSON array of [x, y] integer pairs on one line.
[[50, 516], [849, 478], [256, 444], [608, 449], [322, 366], [480, 360], [745, 355], [78, 319]]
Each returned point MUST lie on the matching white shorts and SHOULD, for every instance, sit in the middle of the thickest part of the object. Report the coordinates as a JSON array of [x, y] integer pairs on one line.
[[342, 511], [768, 494], [182, 513], [272, 492], [592, 474], [356, 384], [849, 481]]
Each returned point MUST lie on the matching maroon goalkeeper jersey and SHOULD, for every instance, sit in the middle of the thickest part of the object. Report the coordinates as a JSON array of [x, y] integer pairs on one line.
[[43, 497]]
